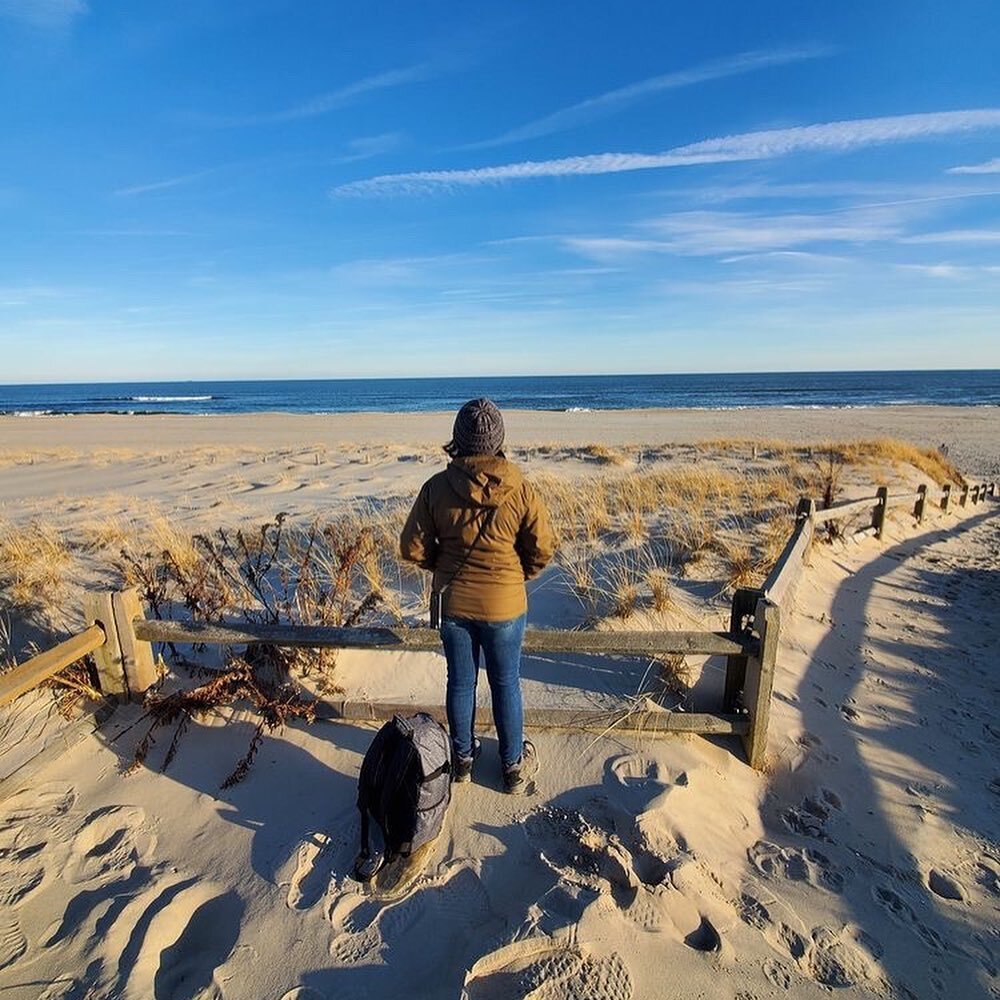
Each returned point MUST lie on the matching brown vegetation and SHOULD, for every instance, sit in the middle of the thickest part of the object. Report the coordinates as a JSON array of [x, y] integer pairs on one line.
[[627, 541], [34, 566]]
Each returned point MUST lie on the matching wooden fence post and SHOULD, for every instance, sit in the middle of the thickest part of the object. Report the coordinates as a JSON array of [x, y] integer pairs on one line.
[[805, 510], [945, 496], [975, 495], [98, 609], [880, 510], [744, 604], [963, 497], [137, 656], [918, 507], [760, 681]]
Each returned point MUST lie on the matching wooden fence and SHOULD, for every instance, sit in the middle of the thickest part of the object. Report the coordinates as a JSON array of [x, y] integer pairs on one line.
[[120, 639]]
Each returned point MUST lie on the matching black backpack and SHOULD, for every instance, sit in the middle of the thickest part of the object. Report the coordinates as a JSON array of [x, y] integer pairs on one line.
[[405, 786]]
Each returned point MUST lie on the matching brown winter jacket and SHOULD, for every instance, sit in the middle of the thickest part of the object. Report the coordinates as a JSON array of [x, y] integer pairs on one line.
[[516, 545]]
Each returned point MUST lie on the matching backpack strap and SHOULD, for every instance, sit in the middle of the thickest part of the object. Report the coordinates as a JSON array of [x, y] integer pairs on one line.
[[483, 525]]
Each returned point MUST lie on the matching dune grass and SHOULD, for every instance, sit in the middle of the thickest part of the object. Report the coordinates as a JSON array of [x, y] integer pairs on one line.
[[628, 532], [36, 571], [633, 534]]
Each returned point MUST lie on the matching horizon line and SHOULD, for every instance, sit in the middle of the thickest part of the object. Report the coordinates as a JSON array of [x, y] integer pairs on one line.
[[439, 378]]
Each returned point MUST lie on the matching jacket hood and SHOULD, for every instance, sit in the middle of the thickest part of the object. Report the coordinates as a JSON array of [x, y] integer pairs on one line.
[[483, 480]]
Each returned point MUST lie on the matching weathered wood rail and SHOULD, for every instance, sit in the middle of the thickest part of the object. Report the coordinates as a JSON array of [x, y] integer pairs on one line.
[[120, 639]]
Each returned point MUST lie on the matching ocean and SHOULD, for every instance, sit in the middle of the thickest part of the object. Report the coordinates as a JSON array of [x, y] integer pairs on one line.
[[535, 392]]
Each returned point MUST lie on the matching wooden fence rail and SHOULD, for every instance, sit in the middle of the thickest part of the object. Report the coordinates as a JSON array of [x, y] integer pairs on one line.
[[120, 639], [429, 640], [23, 678]]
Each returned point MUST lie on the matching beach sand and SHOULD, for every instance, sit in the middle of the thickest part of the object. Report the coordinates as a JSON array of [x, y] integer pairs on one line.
[[865, 858], [970, 432]]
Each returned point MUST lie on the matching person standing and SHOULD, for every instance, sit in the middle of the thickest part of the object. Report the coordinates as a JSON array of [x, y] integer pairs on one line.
[[482, 530]]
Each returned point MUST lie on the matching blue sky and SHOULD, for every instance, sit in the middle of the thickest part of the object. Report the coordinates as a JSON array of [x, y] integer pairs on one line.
[[296, 189]]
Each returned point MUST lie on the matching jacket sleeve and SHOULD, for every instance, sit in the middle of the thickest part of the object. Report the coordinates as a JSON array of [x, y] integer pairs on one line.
[[536, 542], [418, 539]]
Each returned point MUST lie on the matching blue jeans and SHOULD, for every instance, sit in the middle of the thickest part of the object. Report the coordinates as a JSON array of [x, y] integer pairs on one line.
[[500, 643]]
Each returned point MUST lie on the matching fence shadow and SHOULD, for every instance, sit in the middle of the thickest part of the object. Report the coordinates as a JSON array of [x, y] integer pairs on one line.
[[950, 732]]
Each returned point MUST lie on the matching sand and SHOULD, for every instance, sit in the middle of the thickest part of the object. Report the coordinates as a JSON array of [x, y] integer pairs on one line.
[[970, 432], [865, 859]]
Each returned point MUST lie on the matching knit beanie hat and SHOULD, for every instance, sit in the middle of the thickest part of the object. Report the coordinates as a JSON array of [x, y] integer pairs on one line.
[[478, 429]]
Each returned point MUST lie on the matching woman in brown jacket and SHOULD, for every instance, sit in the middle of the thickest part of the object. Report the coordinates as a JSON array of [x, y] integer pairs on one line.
[[482, 530]]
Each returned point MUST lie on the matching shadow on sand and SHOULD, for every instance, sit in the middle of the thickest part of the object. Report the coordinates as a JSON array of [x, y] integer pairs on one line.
[[934, 715]]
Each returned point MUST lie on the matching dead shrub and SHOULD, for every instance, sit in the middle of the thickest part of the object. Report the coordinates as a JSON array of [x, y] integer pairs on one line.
[[269, 575]]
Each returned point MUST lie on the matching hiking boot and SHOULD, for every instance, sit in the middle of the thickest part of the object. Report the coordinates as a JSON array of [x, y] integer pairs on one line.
[[517, 778], [461, 769]]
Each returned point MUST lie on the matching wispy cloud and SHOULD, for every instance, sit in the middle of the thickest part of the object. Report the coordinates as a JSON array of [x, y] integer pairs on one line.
[[989, 167], [43, 13], [324, 103], [888, 192], [165, 184], [365, 147], [616, 100], [698, 234], [835, 137], [951, 272], [956, 236]]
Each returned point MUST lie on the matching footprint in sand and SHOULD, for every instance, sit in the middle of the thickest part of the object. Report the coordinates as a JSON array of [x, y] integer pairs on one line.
[[988, 876], [311, 875], [541, 969], [906, 916], [43, 807], [843, 958], [832, 958], [634, 781], [778, 974], [650, 911], [111, 842], [633, 770], [450, 906], [810, 817], [799, 865], [357, 949], [946, 886]]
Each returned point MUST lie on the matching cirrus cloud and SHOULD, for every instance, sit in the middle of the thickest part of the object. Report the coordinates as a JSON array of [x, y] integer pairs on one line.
[[836, 137]]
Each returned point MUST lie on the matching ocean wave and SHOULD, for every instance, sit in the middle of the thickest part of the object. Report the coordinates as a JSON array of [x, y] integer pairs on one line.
[[169, 399]]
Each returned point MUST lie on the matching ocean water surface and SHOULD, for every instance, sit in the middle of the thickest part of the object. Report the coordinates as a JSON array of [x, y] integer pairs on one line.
[[535, 392]]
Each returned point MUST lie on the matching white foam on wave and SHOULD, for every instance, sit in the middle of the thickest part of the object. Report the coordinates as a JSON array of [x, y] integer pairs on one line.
[[170, 399]]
